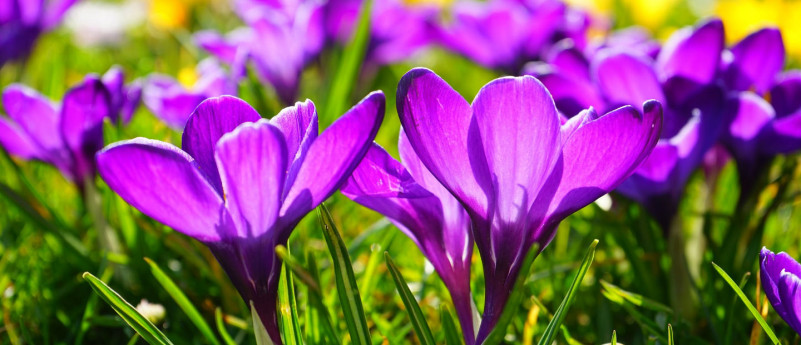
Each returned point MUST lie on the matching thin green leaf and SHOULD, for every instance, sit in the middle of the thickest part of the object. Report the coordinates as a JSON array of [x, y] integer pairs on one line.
[[614, 337], [412, 308], [369, 277], [452, 336], [226, 337], [670, 334], [732, 305], [91, 306], [347, 289], [636, 299], [139, 323], [648, 325], [561, 312], [498, 333], [290, 326], [183, 302], [297, 269], [748, 304], [350, 63]]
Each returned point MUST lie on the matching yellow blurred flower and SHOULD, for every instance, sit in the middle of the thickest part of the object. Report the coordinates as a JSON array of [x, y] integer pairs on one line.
[[440, 3], [598, 7], [650, 14], [187, 76], [742, 17], [169, 14]]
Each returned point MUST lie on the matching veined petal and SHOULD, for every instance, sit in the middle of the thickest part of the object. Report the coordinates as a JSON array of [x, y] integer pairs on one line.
[[164, 183], [572, 95], [331, 158], [519, 128], [252, 163], [625, 79], [35, 115], [437, 121], [299, 125], [82, 113], [590, 170], [692, 53], [757, 60], [790, 296], [208, 123]]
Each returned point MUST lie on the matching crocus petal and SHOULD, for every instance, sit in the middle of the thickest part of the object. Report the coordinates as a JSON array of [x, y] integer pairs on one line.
[[785, 96], [217, 45], [16, 141], [299, 125], [589, 170], [625, 79], [208, 123], [252, 163], [437, 121], [164, 183], [757, 60], [169, 100], [783, 136], [790, 296], [331, 158], [570, 95], [519, 129], [692, 53], [571, 62], [54, 12], [35, 115], [82, 113], [752, 115]]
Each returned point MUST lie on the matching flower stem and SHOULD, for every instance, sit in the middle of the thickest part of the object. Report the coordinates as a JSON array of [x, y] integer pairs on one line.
[[94, 205]]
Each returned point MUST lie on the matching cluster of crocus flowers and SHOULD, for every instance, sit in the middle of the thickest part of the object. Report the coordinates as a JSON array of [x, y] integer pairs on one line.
[[66, 135], [173, 102], [242, 183], [22, 21], [781, 281], [512, 164]]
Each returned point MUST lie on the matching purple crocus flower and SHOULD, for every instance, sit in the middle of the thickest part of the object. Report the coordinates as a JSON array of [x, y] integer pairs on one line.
[[424, 210], [242, 183], [172, 102], [683, 77], [124, 98], [22, 21], [503, 34], [781, 280], [66, 135], [512, 165], [760, 128], [397, 30], [279, 44]]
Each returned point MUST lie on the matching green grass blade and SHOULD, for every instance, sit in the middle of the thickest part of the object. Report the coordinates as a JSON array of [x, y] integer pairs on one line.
[[183, 302], [317, 301], [748, 304], [670, 335], [412, 308], [226, 337], [347, 289], [614, 338], [290, 326], [297, 269], [452, 336], [561, 312], [497, 334], [128, 313], [350, 63], [648, 325], [636, 299]]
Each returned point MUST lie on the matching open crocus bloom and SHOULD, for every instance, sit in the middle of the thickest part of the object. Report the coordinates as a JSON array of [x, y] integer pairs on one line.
[[66, 135], [781, 280], [172, 102], [242, 183], [424, 210], [517, 171], [124, 98], [22, 21]]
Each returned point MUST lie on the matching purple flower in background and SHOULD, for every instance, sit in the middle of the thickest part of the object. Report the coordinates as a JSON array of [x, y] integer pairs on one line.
[[173, 103], [504, 34], [279, 44], [124, 98], [683, 77], [66, 135], [517, 171], [22, 21], [424, 210], [760, 128], [242, 183], [781, 280], [397, 30]]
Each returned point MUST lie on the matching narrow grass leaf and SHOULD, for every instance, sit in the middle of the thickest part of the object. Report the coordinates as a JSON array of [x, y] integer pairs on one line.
[[748, 304], [350, 63], [449, 330], [290, 326], [183, 302], [128, 313], [226, 337], [412, 308], [614, 337], [670, 335], [297, 269], [561, 312], [636, 299], [648, 325], [348, 291]]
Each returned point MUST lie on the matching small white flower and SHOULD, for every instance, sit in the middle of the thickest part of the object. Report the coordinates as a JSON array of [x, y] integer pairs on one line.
[[154, 312]]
